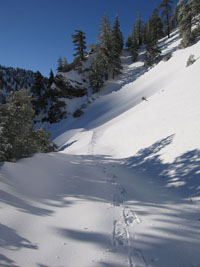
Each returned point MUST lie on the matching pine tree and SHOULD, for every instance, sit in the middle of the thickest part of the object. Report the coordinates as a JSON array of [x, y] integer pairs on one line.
[[96, 76], [17, 135], [116, 49], [80, 44], [51, 78], [165, 5], [129, 41], [156, 25], [116, 36], [139, 30], [38, 90], [153, 52], [185, 18], [60, 65], [105, 46], [66, 66], [135, 44], [196, 17], [174, 18]]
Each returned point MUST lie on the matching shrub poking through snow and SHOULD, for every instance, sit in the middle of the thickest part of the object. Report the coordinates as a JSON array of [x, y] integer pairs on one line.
[[167, 57], [190, 60], [78, 113]]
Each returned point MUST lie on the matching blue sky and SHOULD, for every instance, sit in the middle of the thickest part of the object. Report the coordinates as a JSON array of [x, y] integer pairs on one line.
[[34, 33]]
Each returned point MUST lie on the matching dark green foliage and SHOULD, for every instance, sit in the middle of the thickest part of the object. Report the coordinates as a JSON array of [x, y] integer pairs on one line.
[[174, 18], [80, 45], [167, 57], [196, 11], [66, 90], [190, 60], [60, 65], [106, 60], [56, 108], [78, 113], [153, 31], [117, 37], [56, 111], [38, 90], [17, 135], [96, 76], [185, 17], [135, 44], [51, 78], [139, 30], [129, 41], [156, 26], [134, 54], [166, 13], [116, 49], [14, 79], [152, 55]]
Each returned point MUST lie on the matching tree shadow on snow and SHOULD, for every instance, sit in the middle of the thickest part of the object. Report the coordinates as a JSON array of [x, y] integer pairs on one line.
[[9, 239], [182, 174], [6, 262], [22, 205], [172, 237]]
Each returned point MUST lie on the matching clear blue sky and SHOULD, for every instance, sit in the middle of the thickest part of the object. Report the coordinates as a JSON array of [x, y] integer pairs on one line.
[[34, 33]]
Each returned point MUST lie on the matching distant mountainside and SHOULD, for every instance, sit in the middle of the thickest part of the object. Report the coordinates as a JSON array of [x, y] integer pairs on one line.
[[14, 79]]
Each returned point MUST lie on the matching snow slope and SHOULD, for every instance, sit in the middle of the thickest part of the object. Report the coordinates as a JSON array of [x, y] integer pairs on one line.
[[124, 187]]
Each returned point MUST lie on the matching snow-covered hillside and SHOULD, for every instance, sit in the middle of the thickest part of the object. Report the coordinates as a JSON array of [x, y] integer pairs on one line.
[[124, 187]]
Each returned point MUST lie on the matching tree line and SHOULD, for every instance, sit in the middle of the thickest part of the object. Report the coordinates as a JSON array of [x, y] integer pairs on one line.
[[106, 60]]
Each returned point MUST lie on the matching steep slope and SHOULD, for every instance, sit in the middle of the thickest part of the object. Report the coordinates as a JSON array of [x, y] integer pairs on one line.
[[123, 190], [120, 123]]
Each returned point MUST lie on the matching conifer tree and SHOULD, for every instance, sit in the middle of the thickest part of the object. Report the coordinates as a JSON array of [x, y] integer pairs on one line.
[[153, 52], [185, 17], [38, 90], [166, 13], [105, 46], [116, 49], [96, 76], [80, 44], [60, 65], [139, 29], [107, 57], [156, 25], [129, 41], [116, 36], [66, 66], [17, 135], [135, 44], [51, 78], [196, 16], [174, 18]]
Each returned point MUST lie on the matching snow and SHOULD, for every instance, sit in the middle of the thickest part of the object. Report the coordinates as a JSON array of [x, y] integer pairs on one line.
[[123, 188]]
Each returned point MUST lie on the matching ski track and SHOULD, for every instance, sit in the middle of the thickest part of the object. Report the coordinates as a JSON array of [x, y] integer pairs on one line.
[[121, 238]]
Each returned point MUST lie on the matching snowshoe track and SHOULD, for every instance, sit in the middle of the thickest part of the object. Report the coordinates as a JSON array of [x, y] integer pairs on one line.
[[136, 258], [130, 217], [120, 234]]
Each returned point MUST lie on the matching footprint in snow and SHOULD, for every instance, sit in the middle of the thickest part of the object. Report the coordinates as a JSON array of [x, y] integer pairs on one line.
[[130, 217], [136, 258], [120, 234]]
